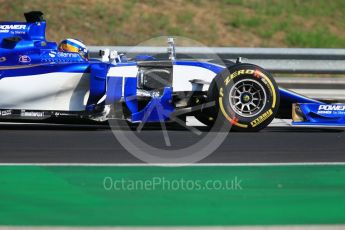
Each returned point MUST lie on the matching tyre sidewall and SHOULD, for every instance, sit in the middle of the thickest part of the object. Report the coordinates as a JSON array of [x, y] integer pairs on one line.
[[220, 90]]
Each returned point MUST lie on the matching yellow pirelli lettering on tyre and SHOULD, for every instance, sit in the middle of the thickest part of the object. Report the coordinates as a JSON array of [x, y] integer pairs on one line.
[[221, 106], [261, 118], [236, 74], [274, 96], [221, 92]]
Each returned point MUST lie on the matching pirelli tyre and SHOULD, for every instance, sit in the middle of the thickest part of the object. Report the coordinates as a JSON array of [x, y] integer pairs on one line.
[[246, 98]]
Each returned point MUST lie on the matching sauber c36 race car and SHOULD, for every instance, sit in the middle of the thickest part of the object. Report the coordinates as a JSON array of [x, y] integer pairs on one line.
[[38, 81]]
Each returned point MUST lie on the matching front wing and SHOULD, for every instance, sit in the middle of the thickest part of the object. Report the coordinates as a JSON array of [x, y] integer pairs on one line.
[[318, 114]]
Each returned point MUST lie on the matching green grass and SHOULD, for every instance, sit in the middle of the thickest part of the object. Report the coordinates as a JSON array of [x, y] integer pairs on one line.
[[272, 23], [317, 38], [80, 196]]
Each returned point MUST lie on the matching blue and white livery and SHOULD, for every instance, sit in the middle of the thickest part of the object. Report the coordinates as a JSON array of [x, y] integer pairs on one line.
[[41, 80]]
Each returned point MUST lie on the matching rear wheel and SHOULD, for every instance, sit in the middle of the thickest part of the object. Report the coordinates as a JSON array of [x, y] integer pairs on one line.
[[246, 98]]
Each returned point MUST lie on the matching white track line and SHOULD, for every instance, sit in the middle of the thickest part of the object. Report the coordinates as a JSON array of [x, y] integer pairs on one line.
[[285, 227], [191, 121], [175, 164]]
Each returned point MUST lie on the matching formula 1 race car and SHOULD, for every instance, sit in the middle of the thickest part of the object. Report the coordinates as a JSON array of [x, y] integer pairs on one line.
[[38, 81]]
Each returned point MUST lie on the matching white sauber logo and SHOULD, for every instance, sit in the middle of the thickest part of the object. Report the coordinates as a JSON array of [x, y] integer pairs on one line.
[[52, 54], [12, 27]]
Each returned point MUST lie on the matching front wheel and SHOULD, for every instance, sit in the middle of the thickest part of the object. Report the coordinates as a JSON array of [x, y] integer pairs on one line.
[[246, 98]]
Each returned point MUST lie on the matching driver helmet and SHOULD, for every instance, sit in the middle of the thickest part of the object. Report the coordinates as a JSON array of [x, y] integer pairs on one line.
[[74, 46]]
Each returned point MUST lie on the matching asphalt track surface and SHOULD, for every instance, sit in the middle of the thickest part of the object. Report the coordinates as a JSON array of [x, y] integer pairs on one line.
[[91, 144]]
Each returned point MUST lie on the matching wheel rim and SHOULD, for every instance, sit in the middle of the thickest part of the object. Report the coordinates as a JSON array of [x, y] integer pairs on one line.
[[247, 98]]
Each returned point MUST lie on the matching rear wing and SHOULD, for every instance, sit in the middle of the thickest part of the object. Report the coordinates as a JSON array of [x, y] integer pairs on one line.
[[33, 29]]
